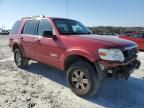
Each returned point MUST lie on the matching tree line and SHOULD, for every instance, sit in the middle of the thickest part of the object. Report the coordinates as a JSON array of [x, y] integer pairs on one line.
[[115, 30]]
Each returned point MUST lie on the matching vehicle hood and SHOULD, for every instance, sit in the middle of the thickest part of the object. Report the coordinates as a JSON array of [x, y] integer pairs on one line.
[[115, 40]]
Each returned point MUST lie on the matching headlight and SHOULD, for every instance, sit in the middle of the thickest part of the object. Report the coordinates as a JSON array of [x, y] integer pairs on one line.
[[111, 54]]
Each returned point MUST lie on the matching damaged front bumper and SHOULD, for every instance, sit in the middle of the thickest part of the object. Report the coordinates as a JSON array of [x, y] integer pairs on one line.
[[117, 69]]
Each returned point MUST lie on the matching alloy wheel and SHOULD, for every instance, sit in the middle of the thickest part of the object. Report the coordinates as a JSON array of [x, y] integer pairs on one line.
[[79, 80]]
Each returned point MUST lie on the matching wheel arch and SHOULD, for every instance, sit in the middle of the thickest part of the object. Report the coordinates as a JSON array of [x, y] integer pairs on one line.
[[70, 59], [17, 45]]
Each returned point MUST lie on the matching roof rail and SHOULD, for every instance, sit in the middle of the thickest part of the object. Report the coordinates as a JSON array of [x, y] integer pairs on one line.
[[30, 17]]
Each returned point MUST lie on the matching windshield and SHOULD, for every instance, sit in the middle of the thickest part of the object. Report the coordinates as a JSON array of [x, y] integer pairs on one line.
[[70, 27]]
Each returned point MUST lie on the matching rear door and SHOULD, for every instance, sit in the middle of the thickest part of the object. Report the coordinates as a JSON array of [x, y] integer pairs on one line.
[[27, 38]]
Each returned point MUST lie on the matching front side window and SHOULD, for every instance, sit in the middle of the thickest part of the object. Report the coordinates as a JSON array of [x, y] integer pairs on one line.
[[16, 27], [44, 25], [30, 27], [66, 26]]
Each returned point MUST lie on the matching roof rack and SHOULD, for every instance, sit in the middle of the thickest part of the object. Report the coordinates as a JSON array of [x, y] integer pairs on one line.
[[30, 17]]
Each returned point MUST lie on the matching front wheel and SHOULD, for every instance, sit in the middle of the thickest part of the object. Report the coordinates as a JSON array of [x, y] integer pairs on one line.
[[82, 79], [19, 59]]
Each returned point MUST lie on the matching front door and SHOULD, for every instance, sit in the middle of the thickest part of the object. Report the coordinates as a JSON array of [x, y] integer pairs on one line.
[[47, 50]]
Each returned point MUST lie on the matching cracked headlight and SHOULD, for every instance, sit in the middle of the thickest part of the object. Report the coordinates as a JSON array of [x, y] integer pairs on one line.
[[111, 54]]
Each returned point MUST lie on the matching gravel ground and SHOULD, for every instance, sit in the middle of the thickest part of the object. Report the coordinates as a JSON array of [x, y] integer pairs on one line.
[[41, 86]]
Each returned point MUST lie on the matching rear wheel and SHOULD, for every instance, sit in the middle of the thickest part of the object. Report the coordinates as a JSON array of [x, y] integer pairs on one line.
[[82, 79], [19, 59]]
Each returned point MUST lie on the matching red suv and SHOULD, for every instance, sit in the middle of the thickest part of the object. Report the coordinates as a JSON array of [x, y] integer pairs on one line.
[[136, 37], [69, 45]]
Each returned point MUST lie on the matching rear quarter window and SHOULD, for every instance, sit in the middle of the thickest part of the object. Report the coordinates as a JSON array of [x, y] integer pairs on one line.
[[16, 27]]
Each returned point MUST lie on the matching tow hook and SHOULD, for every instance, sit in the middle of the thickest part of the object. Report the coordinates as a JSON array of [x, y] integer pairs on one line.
[[118, 75], [126, 75], [138, 64]]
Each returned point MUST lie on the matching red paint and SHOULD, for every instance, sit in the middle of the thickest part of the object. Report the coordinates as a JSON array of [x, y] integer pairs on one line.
[[55, 52], [139, 40]]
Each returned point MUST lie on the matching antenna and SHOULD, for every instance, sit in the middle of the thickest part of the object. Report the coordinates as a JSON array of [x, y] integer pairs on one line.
[[67, 9]]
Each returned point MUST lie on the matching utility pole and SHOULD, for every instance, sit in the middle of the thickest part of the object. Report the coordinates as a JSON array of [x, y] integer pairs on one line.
[[67, 9], [3, 26]]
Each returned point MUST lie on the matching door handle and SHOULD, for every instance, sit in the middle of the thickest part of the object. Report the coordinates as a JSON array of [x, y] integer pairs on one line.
[[21, 38], [11, 39], [37, 41]]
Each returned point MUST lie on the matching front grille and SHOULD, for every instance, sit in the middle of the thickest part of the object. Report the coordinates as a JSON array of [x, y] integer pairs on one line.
[[130, 53]]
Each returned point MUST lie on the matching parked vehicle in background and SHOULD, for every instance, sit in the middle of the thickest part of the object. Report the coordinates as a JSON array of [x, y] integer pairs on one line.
[[69, 45], [4, 32], [136, 37]]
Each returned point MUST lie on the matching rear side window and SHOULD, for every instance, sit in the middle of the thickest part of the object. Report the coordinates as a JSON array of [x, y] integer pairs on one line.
[[30, 27], [44, 25], [16, 27]]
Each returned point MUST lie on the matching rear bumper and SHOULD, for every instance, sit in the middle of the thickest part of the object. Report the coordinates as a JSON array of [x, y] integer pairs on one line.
[[117, 69]]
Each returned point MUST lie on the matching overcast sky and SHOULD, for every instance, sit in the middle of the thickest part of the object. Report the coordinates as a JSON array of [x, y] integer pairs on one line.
[[89, 12]]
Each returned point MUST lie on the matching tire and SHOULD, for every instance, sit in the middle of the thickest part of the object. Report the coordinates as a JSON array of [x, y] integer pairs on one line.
[[19, 59], [85, 83]]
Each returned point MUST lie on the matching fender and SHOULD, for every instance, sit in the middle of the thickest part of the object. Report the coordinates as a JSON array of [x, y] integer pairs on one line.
[[83, 53], [20, 46]]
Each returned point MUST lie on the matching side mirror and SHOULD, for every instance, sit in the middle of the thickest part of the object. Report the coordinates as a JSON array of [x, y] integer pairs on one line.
[[48, 34]]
